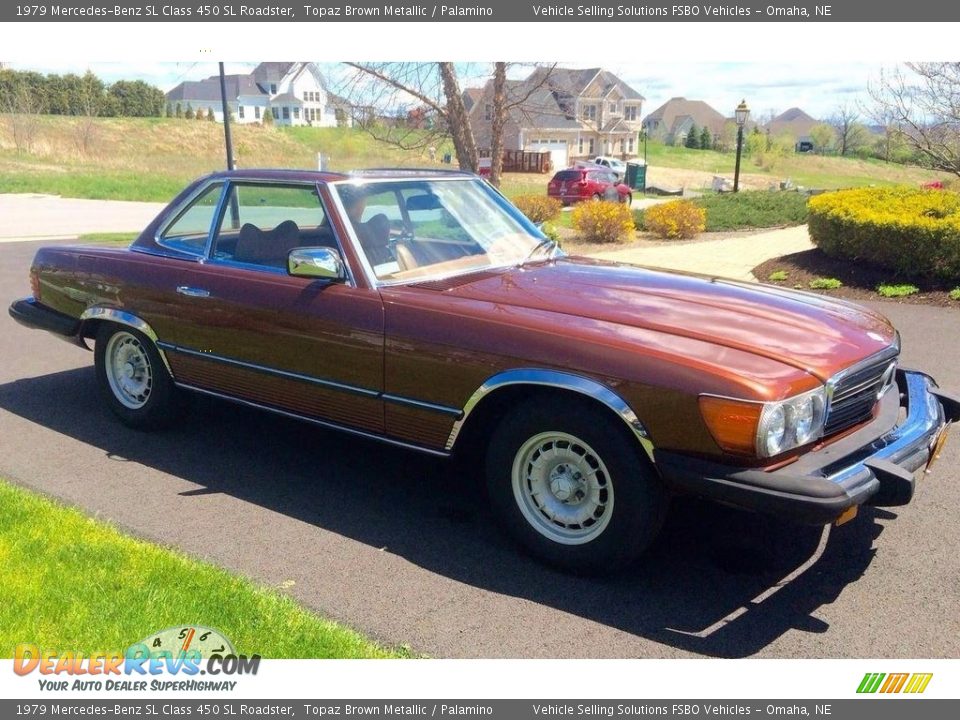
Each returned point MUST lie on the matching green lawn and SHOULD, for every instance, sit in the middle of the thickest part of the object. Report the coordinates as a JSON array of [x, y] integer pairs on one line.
[[75, 584], [154, 158]]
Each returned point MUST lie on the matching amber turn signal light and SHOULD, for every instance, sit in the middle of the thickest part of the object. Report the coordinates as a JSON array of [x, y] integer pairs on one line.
[[732, 423]]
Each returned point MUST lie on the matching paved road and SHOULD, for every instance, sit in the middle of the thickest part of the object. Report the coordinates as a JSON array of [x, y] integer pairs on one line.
[[33, 216], [400, 547]]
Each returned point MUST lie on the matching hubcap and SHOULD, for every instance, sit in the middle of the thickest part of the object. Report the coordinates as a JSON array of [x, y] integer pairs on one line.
[[128, 370], [563, 488]]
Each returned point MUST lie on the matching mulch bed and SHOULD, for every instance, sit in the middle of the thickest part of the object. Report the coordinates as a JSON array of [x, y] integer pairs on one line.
[[860, 280]]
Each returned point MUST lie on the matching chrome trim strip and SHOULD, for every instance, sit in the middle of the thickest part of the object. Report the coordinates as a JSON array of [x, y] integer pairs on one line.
[[421, 405], [888, 353], [562, 380], [315, 421], [352, 389], [122, 317], [186, 257]]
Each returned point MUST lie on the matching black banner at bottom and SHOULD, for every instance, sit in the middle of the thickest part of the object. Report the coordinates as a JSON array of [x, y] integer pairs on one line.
[[867, 708]]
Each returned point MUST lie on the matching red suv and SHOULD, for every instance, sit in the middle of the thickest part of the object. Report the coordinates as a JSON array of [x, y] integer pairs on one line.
[[576, 184]]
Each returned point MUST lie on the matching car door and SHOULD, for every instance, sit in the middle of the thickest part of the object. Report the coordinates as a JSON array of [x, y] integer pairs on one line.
[[247, 329]]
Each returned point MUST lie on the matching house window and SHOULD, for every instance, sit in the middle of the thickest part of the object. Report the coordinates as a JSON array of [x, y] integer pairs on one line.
[[580, 146], [630, 144], [240, 111], [273, 88], [590, 150], [296, 113], [630, 113], [613, 107], [276, 113], [256, 112], [488, 112], [286, 113], [589, 112]]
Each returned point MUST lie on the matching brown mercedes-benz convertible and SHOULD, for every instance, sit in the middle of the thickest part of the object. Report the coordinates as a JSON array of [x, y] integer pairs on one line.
[[422, 309]]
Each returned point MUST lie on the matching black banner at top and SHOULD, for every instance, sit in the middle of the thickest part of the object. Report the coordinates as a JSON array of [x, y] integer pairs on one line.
[[532, 11]]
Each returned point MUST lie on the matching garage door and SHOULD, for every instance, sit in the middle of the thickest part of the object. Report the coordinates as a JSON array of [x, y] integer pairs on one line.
[[558, 151]]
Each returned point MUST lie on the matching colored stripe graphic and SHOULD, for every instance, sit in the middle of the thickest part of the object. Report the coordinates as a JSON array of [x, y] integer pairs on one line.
[[870, 682], [918, 683], [894, 682]]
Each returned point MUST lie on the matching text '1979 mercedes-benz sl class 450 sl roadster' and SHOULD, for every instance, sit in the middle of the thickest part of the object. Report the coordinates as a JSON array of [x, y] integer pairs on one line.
[[422, 309]]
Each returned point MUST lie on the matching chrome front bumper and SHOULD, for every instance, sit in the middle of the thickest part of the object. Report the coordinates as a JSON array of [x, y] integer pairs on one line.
[[877, 464]]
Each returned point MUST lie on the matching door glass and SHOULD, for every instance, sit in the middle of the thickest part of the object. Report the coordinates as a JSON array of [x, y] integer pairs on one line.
[[263, 222]]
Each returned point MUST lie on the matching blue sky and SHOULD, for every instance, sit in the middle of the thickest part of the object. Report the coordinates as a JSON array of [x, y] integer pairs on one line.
[[818, 88]]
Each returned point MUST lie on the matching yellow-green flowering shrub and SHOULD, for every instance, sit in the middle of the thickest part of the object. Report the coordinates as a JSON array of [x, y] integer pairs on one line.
[[602, 221], [676, 220], [907, 230], [538, 208]]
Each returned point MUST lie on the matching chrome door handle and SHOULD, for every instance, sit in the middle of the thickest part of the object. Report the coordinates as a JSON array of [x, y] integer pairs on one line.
[[193, 292]]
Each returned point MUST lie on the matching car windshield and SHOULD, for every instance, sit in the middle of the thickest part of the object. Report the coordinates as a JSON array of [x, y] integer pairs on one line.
[[426, 228]]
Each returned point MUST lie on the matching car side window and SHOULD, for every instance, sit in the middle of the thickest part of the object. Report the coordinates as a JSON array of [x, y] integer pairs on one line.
[[190, 230], [263, 222]]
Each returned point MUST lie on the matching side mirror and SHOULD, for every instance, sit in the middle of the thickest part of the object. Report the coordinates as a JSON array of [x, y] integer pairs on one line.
[[322, 263]]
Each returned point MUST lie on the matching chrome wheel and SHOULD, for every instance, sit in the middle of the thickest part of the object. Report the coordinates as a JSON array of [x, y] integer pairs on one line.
[[563, 488], [128, 370]]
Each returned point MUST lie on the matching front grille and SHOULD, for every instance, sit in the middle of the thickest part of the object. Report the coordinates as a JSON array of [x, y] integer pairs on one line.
[[856, 391]]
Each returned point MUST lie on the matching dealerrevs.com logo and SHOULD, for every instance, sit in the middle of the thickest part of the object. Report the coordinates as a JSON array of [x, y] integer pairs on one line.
[[894, 683], [184, 653]]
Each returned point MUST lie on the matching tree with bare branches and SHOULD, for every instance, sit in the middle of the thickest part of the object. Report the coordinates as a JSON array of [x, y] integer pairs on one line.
[[383, 94], [925, 103], [851, 133]]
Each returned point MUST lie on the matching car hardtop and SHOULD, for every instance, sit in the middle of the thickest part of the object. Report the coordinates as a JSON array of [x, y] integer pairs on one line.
[[328, 176]]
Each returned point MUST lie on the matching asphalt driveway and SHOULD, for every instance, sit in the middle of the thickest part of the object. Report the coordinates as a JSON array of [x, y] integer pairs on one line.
[[401, 547]]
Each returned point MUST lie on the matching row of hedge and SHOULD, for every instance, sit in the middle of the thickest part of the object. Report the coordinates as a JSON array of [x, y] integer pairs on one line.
[[909, 231]]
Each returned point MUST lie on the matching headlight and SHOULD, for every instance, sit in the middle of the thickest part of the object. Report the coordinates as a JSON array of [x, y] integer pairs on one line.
[[765, 429]]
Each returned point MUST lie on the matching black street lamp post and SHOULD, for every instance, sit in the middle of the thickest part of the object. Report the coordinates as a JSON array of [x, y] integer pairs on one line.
[[741, 113]]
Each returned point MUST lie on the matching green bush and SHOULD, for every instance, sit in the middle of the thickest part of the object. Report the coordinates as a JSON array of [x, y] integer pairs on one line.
[[602, 221], [895, 291], [754, 209], [675, 220], [907, 230], [749, 209], [955, 294], [778, 276], [538, 208], [825, 284]]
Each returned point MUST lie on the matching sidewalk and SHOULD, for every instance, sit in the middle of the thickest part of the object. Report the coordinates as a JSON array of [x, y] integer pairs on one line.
[[732, 257], [50, 217]]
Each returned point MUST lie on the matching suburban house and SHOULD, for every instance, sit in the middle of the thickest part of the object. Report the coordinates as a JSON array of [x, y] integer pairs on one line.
[[795, 123], [293, 92], [571, 113], [671, 122]]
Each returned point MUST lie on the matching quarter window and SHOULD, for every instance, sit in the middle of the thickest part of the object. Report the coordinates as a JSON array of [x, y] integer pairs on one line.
[[191, 228]]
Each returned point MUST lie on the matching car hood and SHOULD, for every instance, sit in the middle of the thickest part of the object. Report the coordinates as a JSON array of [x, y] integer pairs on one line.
[[803, 330]]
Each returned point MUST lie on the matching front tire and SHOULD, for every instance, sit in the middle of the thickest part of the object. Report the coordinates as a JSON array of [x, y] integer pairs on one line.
[[570, 485], [133, 380]]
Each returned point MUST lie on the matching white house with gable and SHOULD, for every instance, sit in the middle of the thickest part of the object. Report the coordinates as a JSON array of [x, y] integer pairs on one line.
[[293, 92]]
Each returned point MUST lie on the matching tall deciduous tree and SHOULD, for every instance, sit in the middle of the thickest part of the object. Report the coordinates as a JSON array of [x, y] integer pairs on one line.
[[382, 92], [851, 134], [924, 101]]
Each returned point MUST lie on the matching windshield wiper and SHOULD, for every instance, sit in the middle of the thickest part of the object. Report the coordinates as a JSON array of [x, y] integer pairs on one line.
[[546, 243]]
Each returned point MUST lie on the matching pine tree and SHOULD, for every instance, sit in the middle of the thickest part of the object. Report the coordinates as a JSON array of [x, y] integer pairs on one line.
[[693, 138], [706, 140], [189, 114]]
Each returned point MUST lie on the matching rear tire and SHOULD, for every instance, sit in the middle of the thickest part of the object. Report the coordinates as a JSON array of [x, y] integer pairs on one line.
[[133, 379], [597, 196], [571, 486]]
